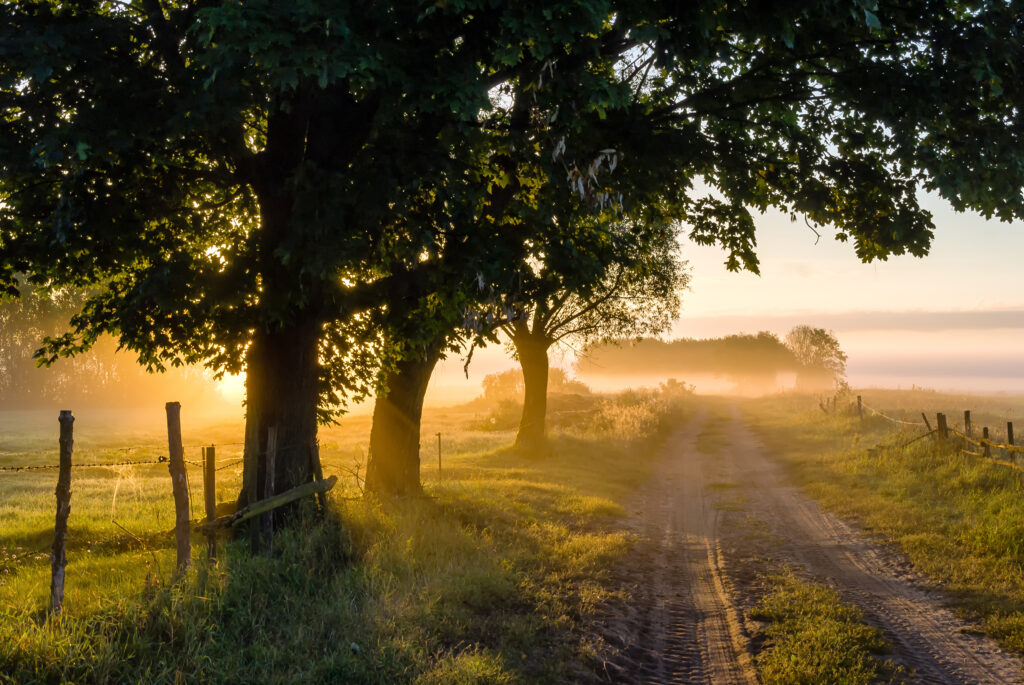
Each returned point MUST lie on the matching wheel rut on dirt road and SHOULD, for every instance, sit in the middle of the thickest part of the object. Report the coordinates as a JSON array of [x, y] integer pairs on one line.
[[925, 636], [681, 625]]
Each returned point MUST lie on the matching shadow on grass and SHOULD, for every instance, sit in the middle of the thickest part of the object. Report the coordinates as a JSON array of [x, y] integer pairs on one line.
[[487, 580]]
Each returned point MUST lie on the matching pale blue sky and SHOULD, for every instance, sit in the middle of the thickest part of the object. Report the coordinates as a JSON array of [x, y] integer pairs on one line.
[[974, 265]]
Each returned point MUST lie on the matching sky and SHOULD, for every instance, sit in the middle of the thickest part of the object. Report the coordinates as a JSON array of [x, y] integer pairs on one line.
[[953, 320]]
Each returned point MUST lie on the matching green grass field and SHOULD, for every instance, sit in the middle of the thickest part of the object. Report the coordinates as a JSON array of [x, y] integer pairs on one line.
[[492, 577], [959, 519]]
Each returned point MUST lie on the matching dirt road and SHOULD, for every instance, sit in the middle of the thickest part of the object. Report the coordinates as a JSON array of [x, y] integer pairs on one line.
[[683, 623]]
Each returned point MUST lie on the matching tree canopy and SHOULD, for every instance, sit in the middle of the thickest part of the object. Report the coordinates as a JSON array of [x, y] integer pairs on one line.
[[821, 359], [250, 186], [736, 356]]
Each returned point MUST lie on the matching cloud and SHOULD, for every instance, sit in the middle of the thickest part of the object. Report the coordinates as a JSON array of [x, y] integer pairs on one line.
[[705, 326]]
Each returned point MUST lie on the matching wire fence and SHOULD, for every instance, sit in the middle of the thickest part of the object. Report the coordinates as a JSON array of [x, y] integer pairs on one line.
[[127, 462], [986, 446], [892, 419]]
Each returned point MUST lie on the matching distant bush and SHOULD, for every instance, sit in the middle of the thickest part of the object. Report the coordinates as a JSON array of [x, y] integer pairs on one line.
[[508, 385], [504, 416], [636, 414]]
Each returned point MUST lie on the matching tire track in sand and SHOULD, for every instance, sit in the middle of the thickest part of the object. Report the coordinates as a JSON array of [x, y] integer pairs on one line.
[[925, 636], [680, 626]]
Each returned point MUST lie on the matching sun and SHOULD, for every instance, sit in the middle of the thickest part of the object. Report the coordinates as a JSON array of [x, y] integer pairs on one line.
[[232, 387]]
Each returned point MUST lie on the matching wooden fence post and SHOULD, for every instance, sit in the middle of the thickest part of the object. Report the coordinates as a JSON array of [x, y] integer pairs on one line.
[[58, 560], [940, 421], [179, 485], [860, 408], [439, 456], [984, 436], [1009, 432], [268, 489], [926, 424], [967, 423], [318, 474], [210, 495]]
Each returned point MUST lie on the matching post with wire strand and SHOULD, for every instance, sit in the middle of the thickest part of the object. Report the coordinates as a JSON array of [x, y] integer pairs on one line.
[[1009, 441], [967, 423], [58, 560], [987, 451], [940, 421], [179, 484], [318, 474], [210, 495], [860, 408]]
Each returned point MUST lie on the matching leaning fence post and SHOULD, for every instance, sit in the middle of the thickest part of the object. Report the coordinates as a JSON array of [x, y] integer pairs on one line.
[[268, 489], [58, 560], [926, 424], [210, 495], [984, 437], [318, 474], [179, 486], [940, 420]]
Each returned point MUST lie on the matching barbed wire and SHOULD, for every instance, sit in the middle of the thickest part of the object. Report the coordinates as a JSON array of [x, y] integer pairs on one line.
[[130, 448], [891, 418], [131, 462], [42, 467], [225, 463]]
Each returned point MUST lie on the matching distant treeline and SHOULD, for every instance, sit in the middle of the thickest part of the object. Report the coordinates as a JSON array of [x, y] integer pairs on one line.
[[742, 354], [813, 354]]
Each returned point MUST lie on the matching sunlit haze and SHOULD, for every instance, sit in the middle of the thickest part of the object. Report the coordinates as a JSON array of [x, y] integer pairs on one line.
[[952, 320]]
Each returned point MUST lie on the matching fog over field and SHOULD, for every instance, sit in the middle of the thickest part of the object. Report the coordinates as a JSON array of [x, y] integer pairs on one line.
[[952, 321]]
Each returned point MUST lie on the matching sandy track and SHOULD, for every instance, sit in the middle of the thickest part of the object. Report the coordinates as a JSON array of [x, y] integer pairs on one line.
[[925, 636], [680, 626]]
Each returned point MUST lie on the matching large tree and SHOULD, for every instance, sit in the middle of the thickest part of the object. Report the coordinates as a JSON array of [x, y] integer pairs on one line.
[[227, 177], [822, 362], [636, 294]]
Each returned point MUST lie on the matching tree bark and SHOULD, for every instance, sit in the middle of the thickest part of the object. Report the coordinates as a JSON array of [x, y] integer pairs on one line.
[[393, 465], [532, 350], [282, 391], [282, 362]]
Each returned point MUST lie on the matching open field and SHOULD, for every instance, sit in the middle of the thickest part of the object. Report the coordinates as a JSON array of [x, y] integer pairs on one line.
[[666, 539], [958, 520], [491, 578]]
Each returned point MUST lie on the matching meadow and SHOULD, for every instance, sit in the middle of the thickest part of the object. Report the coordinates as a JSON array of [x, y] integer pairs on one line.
[[494, 576], [959, 519]]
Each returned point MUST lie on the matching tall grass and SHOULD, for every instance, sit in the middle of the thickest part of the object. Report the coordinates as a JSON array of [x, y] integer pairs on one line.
[[813, 637], [959, 519], [490, 578]]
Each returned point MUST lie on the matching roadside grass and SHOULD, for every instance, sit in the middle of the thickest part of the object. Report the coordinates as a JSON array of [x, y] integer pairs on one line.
[[958, 519], [812, 636], [713, 438], [490, 578]]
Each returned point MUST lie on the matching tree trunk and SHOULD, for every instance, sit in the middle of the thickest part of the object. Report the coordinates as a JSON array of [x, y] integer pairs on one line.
[[282, 379], [282, 362], [533, 356], [393, 465]]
